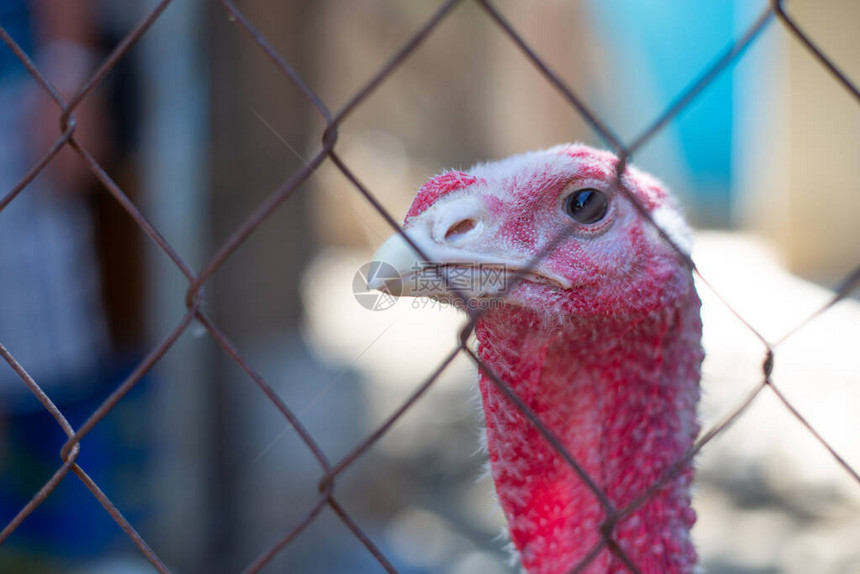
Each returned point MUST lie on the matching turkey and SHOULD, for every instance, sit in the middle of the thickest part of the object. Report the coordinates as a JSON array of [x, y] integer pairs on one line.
[[591, 318]]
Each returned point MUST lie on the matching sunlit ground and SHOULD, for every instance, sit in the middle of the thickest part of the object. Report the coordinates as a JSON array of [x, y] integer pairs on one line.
[[770, 497]]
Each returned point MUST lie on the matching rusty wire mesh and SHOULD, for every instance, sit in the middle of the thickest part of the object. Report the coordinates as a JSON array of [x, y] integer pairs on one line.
[[329, 471]]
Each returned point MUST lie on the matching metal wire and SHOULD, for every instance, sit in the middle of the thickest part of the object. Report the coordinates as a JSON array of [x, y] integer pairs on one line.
[[329, 473]]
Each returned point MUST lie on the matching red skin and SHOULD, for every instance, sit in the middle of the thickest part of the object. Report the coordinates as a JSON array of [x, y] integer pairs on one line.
[[436, 187], [610, 365], [621, 398]]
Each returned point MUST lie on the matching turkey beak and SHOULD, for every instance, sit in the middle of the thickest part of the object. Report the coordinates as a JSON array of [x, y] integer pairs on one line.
[[444, 233], [452, 239], [397, 253], [460, 253], [402, 271]]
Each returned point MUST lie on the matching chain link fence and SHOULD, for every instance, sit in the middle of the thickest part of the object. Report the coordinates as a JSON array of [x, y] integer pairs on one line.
[[330, 471]]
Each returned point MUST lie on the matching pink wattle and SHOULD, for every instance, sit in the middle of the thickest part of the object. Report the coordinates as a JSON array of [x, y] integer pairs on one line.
[[620, 392]]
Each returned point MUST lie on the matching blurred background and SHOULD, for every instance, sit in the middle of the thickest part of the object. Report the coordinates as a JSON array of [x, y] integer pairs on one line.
[[198, 127]]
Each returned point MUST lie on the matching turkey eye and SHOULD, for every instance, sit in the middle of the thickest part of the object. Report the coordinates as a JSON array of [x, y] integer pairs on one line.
[[586, 205]]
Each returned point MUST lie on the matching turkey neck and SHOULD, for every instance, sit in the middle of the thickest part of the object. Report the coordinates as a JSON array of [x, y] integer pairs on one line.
[[620, 394]]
